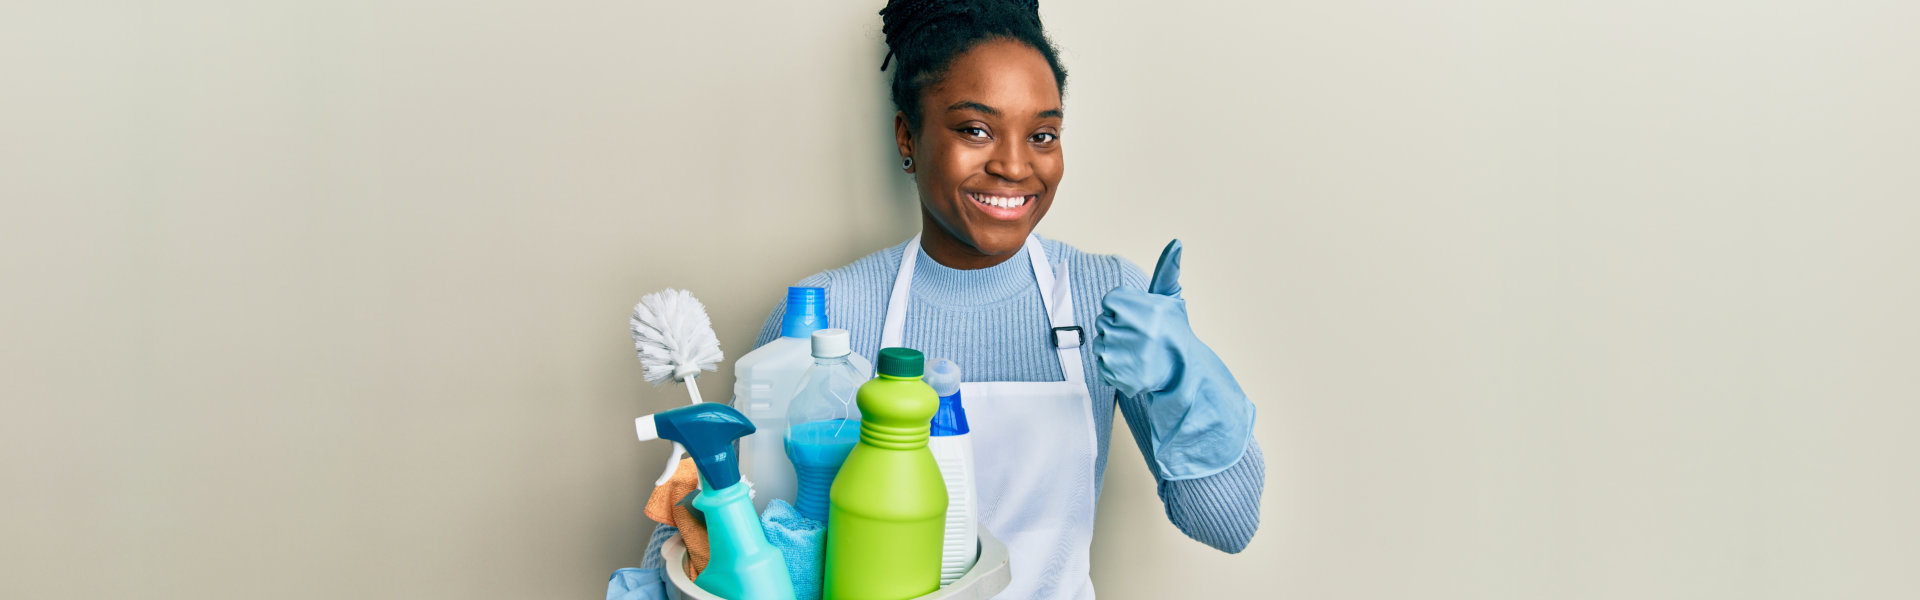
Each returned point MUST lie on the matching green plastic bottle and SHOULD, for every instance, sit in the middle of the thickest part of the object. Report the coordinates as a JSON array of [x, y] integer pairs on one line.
[[887, 519]]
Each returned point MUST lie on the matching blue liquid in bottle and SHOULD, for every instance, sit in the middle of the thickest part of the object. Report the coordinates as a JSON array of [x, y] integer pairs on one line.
[[823, 422], [817, 450]]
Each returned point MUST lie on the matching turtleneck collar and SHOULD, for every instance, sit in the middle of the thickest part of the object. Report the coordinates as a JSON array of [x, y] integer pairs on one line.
[[943, 284]]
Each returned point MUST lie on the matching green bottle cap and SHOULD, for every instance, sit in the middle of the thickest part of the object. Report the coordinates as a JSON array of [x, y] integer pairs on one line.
[[901, 362]]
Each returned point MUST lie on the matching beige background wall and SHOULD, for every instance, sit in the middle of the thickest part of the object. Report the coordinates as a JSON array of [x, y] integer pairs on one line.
[[1537, 300]]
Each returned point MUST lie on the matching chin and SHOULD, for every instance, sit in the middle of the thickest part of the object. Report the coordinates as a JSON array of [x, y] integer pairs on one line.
[[999, 244]]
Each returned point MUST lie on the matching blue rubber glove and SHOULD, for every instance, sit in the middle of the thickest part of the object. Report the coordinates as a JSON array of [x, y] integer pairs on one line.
[[637, 584], [1200, 420]]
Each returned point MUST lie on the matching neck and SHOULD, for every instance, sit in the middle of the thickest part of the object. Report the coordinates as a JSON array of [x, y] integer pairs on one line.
[[950, 251]]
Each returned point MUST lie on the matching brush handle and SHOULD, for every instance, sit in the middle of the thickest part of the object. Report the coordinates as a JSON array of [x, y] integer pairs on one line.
[[673, 464]]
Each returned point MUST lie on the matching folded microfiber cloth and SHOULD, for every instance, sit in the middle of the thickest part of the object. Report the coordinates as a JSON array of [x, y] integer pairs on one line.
[[802, 540], [637, 584]]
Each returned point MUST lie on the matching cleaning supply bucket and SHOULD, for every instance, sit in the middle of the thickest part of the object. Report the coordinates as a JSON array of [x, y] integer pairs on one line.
[[988, 576]]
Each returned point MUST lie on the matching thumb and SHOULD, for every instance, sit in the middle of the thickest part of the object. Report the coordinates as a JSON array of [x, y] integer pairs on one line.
[[1166, 274]]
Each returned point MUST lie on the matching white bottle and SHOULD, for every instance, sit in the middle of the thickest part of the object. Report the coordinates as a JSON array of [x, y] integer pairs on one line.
[[765, 381], [952, 449]]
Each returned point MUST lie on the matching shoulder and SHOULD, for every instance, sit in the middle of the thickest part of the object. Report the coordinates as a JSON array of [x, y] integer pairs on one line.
[[856, 295], [876, 269], [1104, 271]]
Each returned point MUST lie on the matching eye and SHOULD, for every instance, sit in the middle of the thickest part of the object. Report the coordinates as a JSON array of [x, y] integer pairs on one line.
[[1045, 137], [974, 132]]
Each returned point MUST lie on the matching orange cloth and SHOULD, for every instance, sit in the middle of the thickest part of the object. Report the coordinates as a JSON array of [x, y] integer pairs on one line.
[[664, 507]]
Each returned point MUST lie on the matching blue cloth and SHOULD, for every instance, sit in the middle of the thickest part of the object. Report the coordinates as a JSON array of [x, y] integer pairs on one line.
[[637, 584], [991, 322], [1201, 419], [802, 540]]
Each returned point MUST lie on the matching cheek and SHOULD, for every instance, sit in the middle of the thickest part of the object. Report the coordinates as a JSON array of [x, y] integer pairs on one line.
[[939, 176], [1052, 169], [954, 166], [962, 161]]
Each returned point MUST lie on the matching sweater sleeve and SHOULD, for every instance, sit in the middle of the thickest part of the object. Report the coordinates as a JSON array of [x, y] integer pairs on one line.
[[661, 531], [1221, 510]]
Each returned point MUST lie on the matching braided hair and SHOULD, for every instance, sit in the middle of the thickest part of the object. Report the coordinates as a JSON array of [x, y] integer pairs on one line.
[[924, 36]]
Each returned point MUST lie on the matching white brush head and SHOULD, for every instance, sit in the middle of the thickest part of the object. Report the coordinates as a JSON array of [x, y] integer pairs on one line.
[[673, 336]]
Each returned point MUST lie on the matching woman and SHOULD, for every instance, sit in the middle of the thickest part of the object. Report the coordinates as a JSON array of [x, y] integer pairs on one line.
[[977, 86]]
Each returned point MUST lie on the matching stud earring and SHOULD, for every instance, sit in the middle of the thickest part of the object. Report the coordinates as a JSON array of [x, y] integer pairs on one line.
[[906, 163]]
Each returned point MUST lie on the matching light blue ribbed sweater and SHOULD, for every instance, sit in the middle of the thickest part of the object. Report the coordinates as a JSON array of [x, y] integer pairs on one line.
[[992, 322]]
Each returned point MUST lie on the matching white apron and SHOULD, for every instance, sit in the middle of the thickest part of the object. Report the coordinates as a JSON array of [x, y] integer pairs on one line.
[[1034, 447]]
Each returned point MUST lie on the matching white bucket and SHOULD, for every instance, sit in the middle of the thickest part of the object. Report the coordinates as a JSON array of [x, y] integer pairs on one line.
[[988, 576]]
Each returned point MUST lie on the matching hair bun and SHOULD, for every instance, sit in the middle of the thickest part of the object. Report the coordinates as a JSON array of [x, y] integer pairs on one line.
[[902, 18], [924, 36]]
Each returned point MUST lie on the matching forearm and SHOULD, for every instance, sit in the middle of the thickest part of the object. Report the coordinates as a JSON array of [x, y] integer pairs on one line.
[[1221, 510], [662, 531]]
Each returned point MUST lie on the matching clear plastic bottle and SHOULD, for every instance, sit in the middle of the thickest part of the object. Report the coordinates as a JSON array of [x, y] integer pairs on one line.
[[823, 421], [764, 382]]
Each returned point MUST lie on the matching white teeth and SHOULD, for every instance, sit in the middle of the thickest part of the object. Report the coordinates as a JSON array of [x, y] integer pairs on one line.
[[1002, 202]]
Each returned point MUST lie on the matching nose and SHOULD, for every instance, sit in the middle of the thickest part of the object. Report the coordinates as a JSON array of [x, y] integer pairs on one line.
[[1012, 161]]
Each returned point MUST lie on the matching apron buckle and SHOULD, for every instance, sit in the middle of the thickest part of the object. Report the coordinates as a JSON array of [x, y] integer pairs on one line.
[[1077, 335]]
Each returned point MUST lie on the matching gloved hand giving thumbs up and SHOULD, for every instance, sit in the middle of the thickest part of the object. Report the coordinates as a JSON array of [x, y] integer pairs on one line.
[[1201, 422]]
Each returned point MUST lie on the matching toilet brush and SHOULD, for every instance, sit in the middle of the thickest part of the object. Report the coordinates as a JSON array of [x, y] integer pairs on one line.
[[675, 340]]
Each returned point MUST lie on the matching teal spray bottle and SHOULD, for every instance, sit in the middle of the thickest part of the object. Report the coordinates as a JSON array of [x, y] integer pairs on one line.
[[743, 565]]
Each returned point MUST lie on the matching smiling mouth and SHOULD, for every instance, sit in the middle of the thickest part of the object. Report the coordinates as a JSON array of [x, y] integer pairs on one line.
[[1001, 202]]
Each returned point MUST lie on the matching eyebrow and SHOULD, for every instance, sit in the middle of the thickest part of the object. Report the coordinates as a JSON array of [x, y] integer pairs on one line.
[[992, 112], [973, 106]]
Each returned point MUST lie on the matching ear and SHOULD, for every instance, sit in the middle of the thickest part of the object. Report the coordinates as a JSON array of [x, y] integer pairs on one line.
[[902, 135]]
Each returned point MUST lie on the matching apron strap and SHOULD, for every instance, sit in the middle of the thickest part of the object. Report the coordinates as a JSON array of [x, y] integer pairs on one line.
[[1056, 295], [895, 326]]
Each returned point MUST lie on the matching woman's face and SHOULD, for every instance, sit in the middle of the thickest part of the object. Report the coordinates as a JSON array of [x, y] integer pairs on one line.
[[987, 156]]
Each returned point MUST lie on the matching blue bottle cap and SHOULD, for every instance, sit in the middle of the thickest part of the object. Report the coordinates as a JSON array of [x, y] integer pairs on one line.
[[944, 375], [951, 419], [806, 312]]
